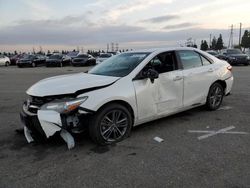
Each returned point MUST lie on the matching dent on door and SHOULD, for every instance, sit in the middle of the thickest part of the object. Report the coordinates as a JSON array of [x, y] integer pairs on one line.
[[146, 98], [170, 92]]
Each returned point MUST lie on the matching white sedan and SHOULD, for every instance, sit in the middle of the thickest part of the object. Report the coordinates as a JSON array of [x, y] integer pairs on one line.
[[4, 60], [124, 91]]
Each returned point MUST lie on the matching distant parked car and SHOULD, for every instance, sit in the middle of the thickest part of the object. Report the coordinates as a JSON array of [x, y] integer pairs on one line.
[[103, 57], [4, 60], [15, 58], [216, 54], [83, 60], [73, 54], [31, 61], [236, 57], [58, 60]]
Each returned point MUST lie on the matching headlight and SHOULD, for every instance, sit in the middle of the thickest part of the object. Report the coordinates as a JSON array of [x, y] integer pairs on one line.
[[64, 106], [248, 58]]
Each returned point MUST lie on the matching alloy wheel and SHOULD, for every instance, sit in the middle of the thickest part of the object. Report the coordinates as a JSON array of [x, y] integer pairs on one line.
[[113, 125], [216, 97]]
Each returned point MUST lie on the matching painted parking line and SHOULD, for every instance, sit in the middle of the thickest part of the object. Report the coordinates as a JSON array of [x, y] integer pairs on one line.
[[213, 133], [225, 108]]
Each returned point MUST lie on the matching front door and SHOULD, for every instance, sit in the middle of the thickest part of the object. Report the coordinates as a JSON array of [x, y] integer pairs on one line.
[[163, 95]]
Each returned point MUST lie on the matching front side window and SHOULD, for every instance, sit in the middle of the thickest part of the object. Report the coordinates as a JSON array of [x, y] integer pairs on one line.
[[120, 65], [164, 62], [190, 59]]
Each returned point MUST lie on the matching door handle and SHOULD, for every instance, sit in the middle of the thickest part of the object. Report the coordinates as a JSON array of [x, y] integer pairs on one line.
[[178, 78], [210, 70]]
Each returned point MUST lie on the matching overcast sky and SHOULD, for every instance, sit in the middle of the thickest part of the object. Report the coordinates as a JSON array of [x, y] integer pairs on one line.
[[91, 24]]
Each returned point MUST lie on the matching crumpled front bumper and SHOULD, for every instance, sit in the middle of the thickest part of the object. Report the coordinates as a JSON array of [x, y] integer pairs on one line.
[[43, 125]]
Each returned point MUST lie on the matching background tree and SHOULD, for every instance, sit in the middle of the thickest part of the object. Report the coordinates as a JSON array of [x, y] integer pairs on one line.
[[219, 43], [214, 42], [204, 45], [245, 41]]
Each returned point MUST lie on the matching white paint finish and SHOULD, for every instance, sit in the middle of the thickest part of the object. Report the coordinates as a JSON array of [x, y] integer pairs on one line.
[[158, 139], [68, 138], [28, 135], [170, 92], [3, 60], [48, 119], [148, 100], [229, 83], [197, 82], [65, 84], [213, 133]]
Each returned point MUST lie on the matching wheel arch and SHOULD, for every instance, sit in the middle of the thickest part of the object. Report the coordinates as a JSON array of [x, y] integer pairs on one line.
[[222, 83], [123, 103]]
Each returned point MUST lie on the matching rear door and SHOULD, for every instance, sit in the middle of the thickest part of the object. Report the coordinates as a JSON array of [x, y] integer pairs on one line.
[[198, 74]]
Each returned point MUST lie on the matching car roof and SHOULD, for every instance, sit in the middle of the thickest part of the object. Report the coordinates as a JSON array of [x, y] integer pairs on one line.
[[162, 49]]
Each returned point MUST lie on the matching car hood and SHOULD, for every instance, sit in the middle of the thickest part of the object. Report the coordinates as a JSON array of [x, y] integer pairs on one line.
[[69, 84]]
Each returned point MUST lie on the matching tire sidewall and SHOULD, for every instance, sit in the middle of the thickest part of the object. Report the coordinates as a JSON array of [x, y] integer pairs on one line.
[[208, 103], [94, 126]]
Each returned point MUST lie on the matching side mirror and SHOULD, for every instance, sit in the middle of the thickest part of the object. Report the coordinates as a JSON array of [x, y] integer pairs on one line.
[[152, 74]]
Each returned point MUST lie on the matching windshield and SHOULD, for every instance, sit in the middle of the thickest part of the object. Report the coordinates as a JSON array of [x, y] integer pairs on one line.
[[28, 56], [234, 51], [105, 55], [119, 65], [73, 54], [82, 56], [55, 57]]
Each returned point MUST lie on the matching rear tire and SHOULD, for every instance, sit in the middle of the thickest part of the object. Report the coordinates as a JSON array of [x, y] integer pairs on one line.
[[110, 124], [33, 64], [61, 64], [215, 96]]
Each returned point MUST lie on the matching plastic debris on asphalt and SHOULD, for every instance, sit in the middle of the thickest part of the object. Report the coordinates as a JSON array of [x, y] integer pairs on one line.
[[158, 139]]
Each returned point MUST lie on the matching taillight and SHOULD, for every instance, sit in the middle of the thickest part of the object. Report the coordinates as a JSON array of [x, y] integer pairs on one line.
[[229, 68]]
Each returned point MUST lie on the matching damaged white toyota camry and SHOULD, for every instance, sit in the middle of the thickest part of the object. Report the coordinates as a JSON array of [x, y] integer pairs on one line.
[[126, 90]]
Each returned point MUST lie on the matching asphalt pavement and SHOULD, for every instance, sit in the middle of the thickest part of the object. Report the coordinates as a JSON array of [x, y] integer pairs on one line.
[[200, 149]]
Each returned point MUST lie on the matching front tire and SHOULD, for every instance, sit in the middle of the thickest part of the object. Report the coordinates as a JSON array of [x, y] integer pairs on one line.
[[7, 63], [215, 96], [33, 64], [111, 124]]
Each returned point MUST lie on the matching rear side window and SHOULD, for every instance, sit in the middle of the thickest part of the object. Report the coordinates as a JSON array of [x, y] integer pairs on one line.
[[205, 61], [190, 59]]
